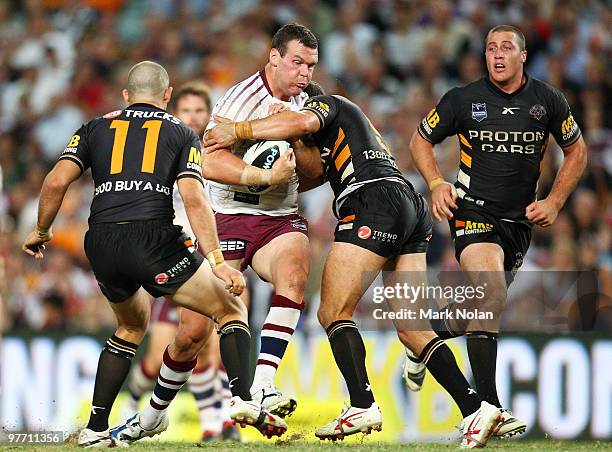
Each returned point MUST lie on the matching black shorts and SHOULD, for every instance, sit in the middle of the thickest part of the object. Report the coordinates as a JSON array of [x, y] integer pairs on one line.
[[156, 255], [473, 224], [387, 218]]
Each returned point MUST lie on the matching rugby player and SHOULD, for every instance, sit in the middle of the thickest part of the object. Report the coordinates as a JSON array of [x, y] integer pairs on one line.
[[263, 229], [135, 155], [503, 122], [208, 383], [372, 200]]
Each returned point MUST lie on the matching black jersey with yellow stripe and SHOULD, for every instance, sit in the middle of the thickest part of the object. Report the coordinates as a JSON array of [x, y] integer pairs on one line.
[[135, 155], [352, 151], [502, 139]]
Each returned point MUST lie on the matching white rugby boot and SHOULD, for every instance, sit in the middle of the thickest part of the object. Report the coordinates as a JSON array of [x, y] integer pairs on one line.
[[251, 412], [352, 420], [478, 427], [88, 438], [274, 401], [132, 431], [509, 426]]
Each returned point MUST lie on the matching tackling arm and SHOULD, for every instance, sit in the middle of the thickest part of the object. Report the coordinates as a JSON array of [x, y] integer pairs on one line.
[[223, 167], [287, 124], [281, 126]]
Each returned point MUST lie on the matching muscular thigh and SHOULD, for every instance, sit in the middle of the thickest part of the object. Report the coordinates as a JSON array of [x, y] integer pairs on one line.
[[349, 271], [204, 293], [281, 254]]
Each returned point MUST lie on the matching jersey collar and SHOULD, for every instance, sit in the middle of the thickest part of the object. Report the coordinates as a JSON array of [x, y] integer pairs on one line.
[[144, 105], [496, 90], [264, 79]]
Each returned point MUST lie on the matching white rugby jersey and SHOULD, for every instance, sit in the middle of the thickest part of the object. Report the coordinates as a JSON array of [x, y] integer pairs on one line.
[[250, 99]]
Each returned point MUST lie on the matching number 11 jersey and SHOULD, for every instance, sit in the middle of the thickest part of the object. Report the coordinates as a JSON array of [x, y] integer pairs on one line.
[[135, 156]]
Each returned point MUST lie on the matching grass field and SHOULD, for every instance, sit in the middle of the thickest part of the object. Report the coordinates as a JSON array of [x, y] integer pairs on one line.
[[290, 445]]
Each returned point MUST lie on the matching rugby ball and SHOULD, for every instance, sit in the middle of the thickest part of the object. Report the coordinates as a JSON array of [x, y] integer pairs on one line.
[[263, 154]]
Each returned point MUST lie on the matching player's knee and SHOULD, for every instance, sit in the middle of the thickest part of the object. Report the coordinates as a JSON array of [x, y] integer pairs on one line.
[[189, 342], [294, 279]]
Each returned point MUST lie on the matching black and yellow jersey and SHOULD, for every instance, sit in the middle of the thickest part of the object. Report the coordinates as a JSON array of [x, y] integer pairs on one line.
[[135, 156], [352, 151], [502, 139]]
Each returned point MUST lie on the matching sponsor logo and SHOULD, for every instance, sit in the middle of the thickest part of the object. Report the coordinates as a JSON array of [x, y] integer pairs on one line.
[[384, 236], [508, 141], [232, 245], [265, 160], [112, 114], [161, 278], [509, 110], [569, 127], [195, 156], [194, 161], [430, 121], [175, 270], [73, 143], [151, 114], [479, 111], [468, 227], [433, 118], [364, 232], [537, 111], [298, 224], [320, 107]]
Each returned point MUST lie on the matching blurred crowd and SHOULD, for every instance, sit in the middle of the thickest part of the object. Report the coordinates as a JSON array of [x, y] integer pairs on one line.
[[65, 61]]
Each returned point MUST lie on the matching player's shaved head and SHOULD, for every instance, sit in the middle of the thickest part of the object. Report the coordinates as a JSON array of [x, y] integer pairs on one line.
[[147, 80]]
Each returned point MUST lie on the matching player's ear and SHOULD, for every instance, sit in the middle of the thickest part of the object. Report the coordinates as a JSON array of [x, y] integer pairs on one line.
[[126, 96], [167, 94], [523, 55], [274, 57]]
